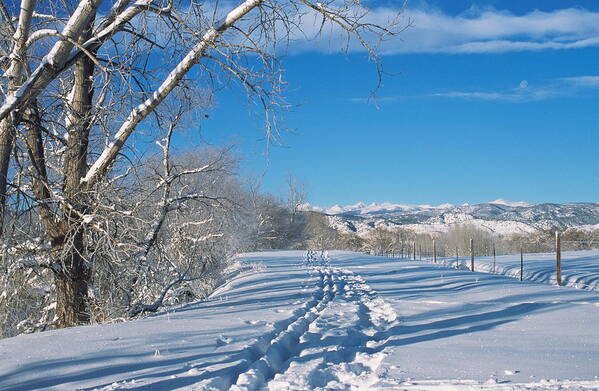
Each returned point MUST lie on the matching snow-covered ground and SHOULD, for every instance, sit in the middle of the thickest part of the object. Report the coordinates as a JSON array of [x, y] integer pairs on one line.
[[353, 322], [580, 269]]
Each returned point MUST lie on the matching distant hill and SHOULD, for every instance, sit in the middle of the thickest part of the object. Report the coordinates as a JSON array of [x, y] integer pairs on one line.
[[501, 217]]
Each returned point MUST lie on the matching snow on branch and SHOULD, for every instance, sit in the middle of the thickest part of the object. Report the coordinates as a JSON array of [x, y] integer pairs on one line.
[[53, 62], [101, 165]]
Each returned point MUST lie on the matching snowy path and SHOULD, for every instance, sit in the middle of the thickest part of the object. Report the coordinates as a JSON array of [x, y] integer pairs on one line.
[[354, 323], [328, 343], [336, 340]]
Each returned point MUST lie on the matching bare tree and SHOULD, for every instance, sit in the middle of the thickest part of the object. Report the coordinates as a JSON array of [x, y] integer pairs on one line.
[[296, 195], [380, 241], [78, 82], [319, 232]]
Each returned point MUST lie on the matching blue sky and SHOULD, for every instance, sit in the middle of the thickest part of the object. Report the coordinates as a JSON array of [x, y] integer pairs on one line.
[[492, 99]]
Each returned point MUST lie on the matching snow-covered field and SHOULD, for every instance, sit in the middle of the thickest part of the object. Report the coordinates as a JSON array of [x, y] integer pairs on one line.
[[580, 269], [353, 322]]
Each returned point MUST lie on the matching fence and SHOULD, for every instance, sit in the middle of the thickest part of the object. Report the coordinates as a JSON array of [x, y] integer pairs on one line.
[[417, 253]]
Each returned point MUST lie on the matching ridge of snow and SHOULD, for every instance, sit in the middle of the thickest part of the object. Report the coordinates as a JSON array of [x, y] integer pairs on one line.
[[501, 201], [362, 208]]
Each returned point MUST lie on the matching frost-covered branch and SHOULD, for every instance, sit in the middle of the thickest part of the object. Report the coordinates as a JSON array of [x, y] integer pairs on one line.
[[51, 65], [141, 308], [99, 167]]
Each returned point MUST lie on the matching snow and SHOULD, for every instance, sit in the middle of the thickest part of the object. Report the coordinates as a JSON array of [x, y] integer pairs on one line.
[[499, 217], [434, 225], [501, 201], [361, 208], [588, 227], [351, 322], [580, 269], [450, 220], [88, 218]]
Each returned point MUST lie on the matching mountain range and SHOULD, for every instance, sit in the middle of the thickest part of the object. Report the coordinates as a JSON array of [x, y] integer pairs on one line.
[[500, 217]]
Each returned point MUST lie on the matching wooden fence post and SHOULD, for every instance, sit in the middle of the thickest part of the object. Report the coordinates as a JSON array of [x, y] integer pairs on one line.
[[558, 259], [471, 255], [414, 250], [420, 251], [494, 257], [434, 251], [521, 263]]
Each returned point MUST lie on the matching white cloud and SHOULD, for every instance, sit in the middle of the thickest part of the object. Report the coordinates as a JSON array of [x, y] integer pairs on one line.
[[582, 81], [514, 95], [565, 86], [480, 95], [489, 31], [524, 91]]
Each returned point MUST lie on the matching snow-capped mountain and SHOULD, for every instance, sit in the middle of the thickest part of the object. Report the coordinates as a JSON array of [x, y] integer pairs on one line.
[[500, 216], [362, 209], [501, 201]]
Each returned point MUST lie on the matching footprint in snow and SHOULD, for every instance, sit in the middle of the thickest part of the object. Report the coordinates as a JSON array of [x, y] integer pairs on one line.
[[223, 340]]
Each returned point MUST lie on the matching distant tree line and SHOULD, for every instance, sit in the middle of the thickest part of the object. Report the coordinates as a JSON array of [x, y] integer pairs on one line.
[[456, 241]]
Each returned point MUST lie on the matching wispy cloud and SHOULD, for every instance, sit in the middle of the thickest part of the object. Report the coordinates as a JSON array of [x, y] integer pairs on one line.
[[566, 86], [582, 81], [479, 95], [488, 31]]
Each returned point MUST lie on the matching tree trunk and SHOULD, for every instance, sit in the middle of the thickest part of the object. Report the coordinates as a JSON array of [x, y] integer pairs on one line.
[[7, 136], [71, 284], [73, 276]]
